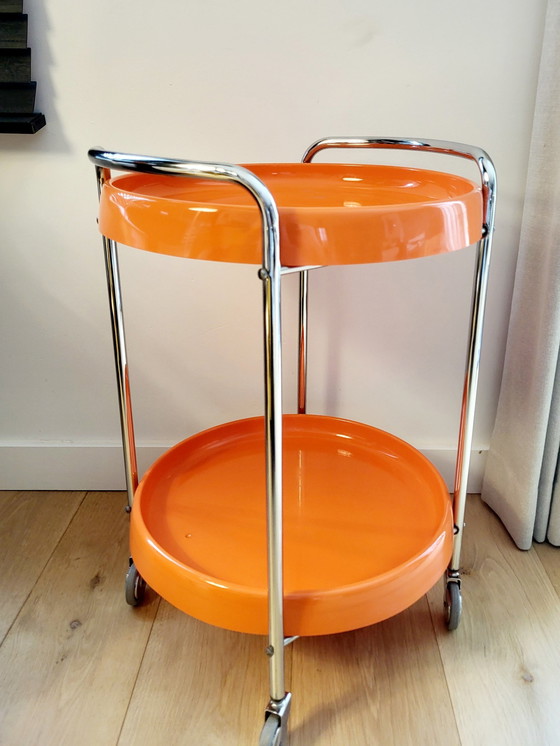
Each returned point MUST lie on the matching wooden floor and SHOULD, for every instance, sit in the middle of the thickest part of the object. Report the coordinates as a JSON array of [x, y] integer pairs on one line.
[[78, 667]]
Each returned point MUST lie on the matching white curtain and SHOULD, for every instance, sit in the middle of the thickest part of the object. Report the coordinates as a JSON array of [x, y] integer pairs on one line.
[[522, 479]]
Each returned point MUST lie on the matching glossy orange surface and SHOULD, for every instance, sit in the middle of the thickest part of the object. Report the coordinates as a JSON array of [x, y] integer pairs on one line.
[[329, 214], [367, 525]]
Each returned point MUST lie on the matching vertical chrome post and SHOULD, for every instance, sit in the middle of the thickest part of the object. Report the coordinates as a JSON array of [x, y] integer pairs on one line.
[[466, 426], [302, 350], [121, 364], [270, 276], [121, 360], [480, 288]]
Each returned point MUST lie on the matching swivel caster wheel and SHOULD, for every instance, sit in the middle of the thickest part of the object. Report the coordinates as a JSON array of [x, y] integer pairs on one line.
[[271, 734], [275, 729], [134, 587], [453, 605]]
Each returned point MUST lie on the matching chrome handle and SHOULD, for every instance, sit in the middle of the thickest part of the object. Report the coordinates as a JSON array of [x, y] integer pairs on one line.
[[479, 156], [104, 159]]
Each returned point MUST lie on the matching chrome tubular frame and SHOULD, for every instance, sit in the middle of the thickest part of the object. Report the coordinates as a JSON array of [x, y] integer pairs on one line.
[[303, 328], [302, 348], [270, 274], [121, 359], [488, 179], [468, 405]]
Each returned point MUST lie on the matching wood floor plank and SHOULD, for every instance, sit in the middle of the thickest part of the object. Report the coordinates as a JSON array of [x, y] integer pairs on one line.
[[502, 663], [378, 686], [198, 685], [31, 527], [550, 558], [69, 663]]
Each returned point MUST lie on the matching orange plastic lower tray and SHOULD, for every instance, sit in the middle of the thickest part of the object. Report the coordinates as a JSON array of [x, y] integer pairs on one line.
[[367, 525]]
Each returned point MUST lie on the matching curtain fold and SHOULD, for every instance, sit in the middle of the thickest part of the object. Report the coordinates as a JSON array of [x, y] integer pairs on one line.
[[522, 479]]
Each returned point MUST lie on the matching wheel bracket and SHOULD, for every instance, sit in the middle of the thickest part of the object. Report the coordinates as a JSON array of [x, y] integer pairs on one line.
[[278, 712]]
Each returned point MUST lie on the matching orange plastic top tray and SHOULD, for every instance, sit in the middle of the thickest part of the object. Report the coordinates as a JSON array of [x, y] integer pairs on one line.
[[367, 526], [329, 214]]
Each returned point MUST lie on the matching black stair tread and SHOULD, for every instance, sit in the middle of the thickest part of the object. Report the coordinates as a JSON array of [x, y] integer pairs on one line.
[[13, 30], [17, 98], [17, 85], [14, 51], [11, 6], [15, 65], [22, 124]]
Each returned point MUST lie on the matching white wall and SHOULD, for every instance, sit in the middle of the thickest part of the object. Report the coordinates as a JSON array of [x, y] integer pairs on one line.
[[254, 80]]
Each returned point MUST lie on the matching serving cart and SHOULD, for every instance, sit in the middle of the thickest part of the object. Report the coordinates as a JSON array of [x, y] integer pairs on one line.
[[295, 524]]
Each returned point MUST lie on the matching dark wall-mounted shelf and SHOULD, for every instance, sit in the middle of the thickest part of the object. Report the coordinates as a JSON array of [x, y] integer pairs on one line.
[[17, 90]]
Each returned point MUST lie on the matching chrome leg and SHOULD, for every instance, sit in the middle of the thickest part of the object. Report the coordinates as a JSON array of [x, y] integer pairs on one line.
[[302, 352], [121, 363], [275, 729], [469, 398], [277, 711], [488, 181], [273, 429]]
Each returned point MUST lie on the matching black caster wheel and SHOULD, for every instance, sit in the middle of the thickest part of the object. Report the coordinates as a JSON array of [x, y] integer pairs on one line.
[[453, 605], [134, 587]]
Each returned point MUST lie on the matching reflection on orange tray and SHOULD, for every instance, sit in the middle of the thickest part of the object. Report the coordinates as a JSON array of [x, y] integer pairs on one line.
[[367, 525], [329, 214]]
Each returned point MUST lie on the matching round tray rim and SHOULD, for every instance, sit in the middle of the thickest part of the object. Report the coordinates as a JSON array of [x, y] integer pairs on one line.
[[389, 207], [250, 591]]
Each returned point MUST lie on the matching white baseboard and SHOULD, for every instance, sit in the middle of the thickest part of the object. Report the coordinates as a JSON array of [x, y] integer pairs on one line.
[[81, 467], [68, 467]]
